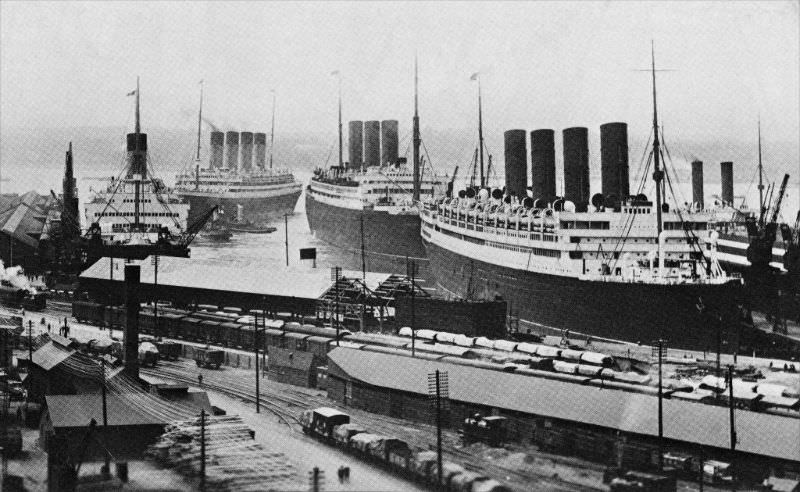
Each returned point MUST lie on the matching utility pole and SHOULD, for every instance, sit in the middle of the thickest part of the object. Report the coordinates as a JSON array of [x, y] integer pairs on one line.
[[411, 271], [154, 261], [255, 343], [730, 407], [286, 235], [202, 450], [316, 478], [105, 408], [30, 343], [438, 389], [335, 275], [660, 343]]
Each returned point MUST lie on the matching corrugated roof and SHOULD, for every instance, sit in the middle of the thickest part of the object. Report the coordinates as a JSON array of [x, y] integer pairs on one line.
[[78, 410], [259, 278], [280, 358], [759, 433], [50, 355]]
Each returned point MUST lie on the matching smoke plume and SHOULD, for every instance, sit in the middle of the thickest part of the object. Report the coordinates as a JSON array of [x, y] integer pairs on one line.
[[14, 276]]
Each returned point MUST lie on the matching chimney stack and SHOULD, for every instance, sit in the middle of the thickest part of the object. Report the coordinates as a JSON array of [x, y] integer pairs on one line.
[[69, 213], [355, 145], [260, 140], [137, 155], [389, 142], [372, 143], [232, 142], [614, 161], [131, 334], [246, 139], [697, 183], [516, 163], [217, 150], [576, 167], [543, 165], [727, 182]]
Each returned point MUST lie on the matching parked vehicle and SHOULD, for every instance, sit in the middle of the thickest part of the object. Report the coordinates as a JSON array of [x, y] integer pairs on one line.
[[205, 357], [489, 430]]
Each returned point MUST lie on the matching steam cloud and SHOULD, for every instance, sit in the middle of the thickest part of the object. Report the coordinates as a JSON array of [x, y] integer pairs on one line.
[[14, 276]]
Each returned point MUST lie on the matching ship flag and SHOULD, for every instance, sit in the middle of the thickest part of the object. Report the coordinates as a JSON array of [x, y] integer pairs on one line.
[[131, 93], [335, 72], [474, 76]]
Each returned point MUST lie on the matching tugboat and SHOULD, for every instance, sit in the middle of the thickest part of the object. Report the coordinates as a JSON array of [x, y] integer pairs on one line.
[[369, 205], [618, 266]]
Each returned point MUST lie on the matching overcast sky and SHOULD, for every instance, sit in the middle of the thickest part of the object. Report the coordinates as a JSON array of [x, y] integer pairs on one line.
[[543, 64]]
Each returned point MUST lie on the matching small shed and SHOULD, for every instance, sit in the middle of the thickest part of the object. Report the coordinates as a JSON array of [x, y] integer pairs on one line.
[[58, 369], [291, 367]]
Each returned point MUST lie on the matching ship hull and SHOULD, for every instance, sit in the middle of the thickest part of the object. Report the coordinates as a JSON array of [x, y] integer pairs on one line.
[[632, 312], [389, 239], [256, 210]]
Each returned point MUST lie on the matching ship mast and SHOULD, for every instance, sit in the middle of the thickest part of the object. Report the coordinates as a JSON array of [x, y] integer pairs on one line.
[[658, 174], [199, 121], [272, 132], [416, 136], [480, 129], [761, 205], [137, 178], [340, 119]]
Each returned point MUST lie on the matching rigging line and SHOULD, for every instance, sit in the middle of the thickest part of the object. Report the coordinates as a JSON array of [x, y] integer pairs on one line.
[[631, 217]]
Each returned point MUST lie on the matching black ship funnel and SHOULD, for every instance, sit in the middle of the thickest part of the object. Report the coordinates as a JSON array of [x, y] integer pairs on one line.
[[614, 162], [576, 167], [372, 143], [355, 144], [260, 140], [516, 163], [217, 150], [543, 165], [232, 142], [697, 184], [131, 334], [69, 213], [389, 142], [246, 139], [727, 182], [137, 146]]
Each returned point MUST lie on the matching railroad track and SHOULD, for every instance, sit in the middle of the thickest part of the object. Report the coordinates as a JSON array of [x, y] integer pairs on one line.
[[284, 415], [416, 434]]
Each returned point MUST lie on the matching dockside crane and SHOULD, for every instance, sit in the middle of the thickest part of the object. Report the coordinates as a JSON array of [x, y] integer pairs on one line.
[[762, 237]]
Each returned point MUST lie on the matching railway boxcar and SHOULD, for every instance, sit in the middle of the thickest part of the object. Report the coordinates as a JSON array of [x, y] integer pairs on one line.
[[229, 333], [319, 346], [168, 350], [247, 337], [190, 328], [147, 322], [321, 421], [88, 312], [171, 324], [297, 342], [209, 331], [274, 338], [205, 357]]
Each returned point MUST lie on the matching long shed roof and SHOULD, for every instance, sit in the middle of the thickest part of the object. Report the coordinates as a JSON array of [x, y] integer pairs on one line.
[[758, 433], [260, 278]]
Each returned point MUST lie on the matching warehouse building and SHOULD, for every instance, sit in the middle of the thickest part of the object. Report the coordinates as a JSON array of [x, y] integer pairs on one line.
[[292, 367], [599, 424]]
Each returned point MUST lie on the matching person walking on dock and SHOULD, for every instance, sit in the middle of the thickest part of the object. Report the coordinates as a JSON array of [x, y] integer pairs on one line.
[[200, 379]]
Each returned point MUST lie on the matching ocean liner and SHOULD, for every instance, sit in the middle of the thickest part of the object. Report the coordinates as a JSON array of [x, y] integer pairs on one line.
[[615, 266], [136, 208], [248, 190], [368, 206]]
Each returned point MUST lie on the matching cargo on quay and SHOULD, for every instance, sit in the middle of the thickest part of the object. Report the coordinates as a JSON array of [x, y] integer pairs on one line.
[[617, 265], [369, 204]]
